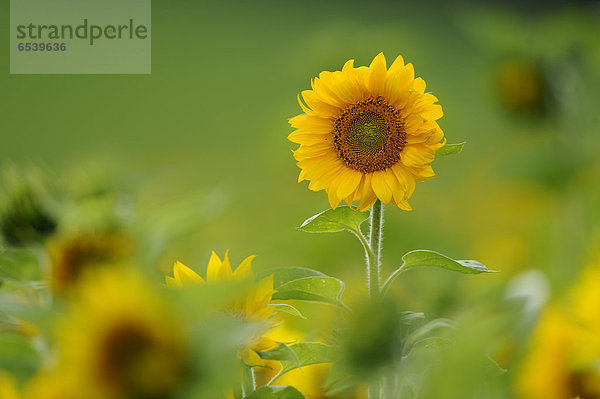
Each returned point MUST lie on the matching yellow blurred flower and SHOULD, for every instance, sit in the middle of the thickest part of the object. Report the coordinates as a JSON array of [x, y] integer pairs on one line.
[[53, 384], [546, 372], [367, 133], [119, 340], [8, 386], [73, 255], [252, 306], [564, 357]]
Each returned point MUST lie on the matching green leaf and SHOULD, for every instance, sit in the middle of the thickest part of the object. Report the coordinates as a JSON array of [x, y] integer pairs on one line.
[[275, 392], [425, 258], [334, 220], [339, 381], [283, 353], [283, 275], [289, 309], [303, 284], [425, 332], [312, 289], [307, 353], [450, 149]]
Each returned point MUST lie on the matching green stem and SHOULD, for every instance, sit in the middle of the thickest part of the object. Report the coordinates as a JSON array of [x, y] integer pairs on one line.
[[374, 255], [373, 265]]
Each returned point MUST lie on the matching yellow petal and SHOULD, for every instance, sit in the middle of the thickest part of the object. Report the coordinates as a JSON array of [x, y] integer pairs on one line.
[[419, 85], [324, 85], [380, 187], [251, 358], [304, 107], [348, 67], [319, 105], [343, 185], [333, 198], [244, 270], [375, 81], [226, 273], [344, 88], [397, 65], [213, 269], [433, 112], [417, 155], [367, 202], [311, 123], [171, 282], [183, 275], [402, 204]]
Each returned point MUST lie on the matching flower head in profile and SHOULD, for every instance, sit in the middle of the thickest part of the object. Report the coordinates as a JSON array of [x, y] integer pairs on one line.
[[252, 305], [367, 133]]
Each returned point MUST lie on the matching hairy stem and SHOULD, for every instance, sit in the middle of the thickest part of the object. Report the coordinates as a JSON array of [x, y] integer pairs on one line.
[[374, 255], [373, 265]]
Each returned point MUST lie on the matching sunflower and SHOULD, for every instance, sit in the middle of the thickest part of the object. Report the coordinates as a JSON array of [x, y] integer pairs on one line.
[[8, 386], [546, 370], [120, 341], [367, 133], [74, 255], [563, 359], [52, 384], [252, 306]]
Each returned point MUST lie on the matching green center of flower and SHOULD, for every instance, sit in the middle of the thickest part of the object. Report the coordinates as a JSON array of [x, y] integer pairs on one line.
[[369, 136], [367, 131]]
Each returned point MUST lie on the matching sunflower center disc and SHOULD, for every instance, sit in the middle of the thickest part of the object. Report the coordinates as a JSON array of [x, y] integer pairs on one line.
[[369, 136]]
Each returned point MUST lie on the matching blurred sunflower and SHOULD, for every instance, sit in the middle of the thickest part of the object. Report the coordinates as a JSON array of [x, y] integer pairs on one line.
[[564, 358], [121, 341], [72, 255], [367, 133], [8, 386], [51, 384], [252, 306]]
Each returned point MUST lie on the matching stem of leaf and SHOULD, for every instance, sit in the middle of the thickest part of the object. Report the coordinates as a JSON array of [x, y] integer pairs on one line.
[[364, 242], [391, 278], [248, 380]]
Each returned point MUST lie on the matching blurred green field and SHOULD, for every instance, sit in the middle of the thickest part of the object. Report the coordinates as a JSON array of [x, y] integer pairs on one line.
[[205, 135]]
